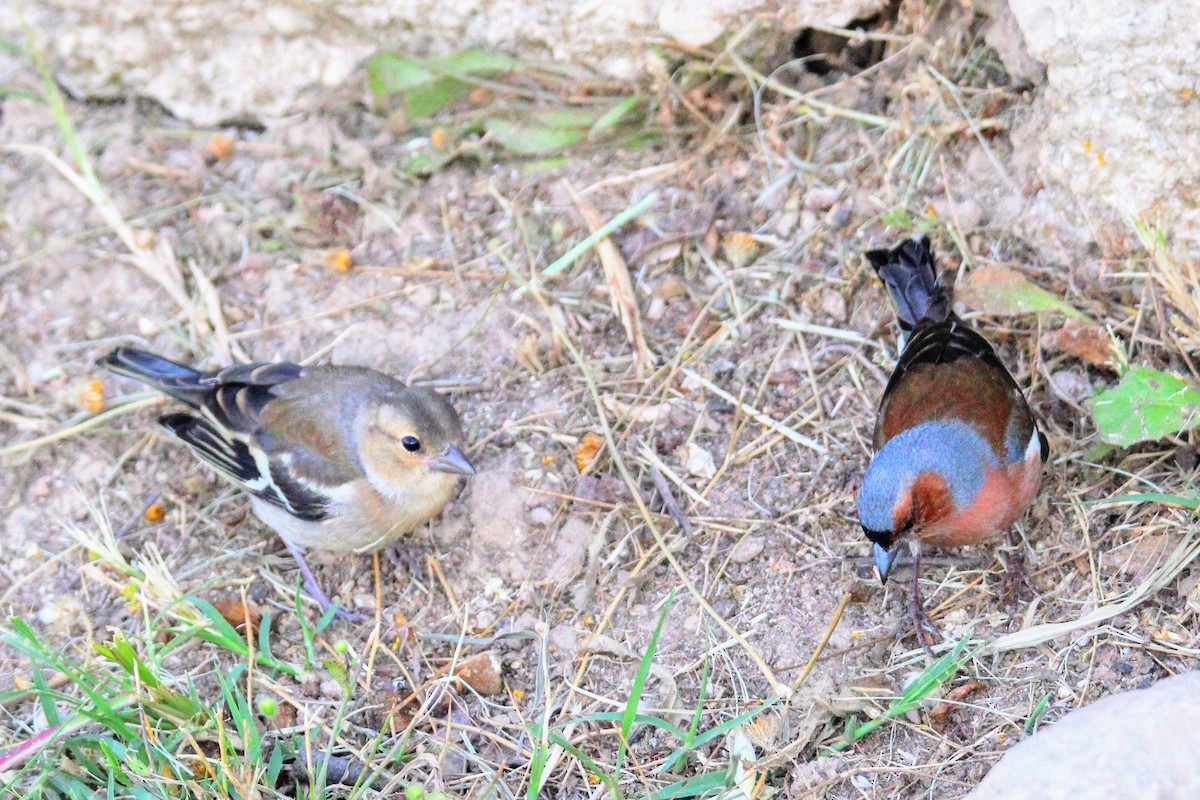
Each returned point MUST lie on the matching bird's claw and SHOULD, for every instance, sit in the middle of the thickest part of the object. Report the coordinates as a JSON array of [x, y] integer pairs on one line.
[[313, 587], [349, 615], [922, 625]]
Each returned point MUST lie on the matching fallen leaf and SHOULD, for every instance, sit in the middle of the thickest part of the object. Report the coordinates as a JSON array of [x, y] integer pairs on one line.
[[238, 614], [698, 461], [953, 699], [636, 412], [1145, 406], [1006, 292], [482, 673], [1143, 555], [587, 450], [1090, 343], [620, 285]]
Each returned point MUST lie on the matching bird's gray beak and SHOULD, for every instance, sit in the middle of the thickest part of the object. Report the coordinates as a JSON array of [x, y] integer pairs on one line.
[[452, 461], [885, 560]]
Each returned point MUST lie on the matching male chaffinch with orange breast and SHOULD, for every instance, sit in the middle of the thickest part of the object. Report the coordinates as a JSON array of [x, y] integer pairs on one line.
[[958, 454], [337, 458]]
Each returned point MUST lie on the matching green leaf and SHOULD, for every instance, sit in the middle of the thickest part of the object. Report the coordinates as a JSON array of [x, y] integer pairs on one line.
[[423, 163], [613, 716], [531, 140], [730, 724], [583, 118], [588, 763], [389, 73], [898, 217], [933, 676], [430, 84], [121, 652], [221, 632], [1006, 292], [1145, 406], [473, 62], [693, 742], [430, 98], [6, 91]]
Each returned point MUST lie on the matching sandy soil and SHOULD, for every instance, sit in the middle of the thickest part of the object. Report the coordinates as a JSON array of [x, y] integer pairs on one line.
[[440, 292]]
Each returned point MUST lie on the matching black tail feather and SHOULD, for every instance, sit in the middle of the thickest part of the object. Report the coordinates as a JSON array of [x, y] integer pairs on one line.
[[909, 272], [179, 381]]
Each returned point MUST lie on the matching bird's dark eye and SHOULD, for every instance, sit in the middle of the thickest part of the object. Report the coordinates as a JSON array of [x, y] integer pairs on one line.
[[411, 443]]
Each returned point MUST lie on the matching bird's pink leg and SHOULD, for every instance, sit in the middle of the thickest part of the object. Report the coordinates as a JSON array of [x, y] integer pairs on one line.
[[921, 621], [314, 588], [1015, 575]]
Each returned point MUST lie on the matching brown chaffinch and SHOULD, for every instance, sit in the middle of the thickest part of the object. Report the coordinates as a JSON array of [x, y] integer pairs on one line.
[[336, 458], [958, 454]]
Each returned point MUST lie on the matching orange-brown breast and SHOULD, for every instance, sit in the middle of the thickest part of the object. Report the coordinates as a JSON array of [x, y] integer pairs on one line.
[[931, 501], [1006, 495]]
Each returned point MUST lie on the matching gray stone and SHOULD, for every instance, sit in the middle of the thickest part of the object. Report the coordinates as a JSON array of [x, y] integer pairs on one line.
[[1117, 124], [1140, 744], [747, 549], [233, 59]]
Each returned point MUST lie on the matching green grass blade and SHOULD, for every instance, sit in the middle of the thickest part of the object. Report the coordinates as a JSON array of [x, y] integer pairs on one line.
[[589, 764], [613, 716], [639, 682], [611, 118], [1038, 712], [1175, 500], [695, 786], [730, 724], [936, 674], [571, 256]]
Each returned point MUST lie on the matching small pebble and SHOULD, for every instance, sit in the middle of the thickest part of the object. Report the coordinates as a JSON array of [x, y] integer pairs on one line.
[[748, 549]]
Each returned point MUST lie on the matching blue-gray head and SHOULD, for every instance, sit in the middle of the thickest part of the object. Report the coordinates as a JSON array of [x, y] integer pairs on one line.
[[918, 478]]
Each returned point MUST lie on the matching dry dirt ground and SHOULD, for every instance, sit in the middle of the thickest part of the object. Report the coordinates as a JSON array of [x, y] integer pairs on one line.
[[564, 575]]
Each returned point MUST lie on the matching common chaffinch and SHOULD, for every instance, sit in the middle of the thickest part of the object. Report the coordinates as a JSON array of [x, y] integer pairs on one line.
[[958, 454], [336, 458]]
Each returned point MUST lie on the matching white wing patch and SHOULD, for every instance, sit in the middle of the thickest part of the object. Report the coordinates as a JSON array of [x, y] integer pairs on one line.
[[1035, 446]]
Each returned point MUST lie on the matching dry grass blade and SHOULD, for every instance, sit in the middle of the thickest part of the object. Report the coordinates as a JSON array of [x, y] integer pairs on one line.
[[223, 347], [780, 688], [144, 401], [823, 330], [1184, 554], [1179, 278], [144, 255], [664, 491], [658, 472], [151, 255], [620, 286], [758, 416]]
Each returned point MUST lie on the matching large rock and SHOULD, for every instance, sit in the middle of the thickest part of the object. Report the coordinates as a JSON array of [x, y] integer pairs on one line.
[[214, 60], [1118, 121], [1141, 744]]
